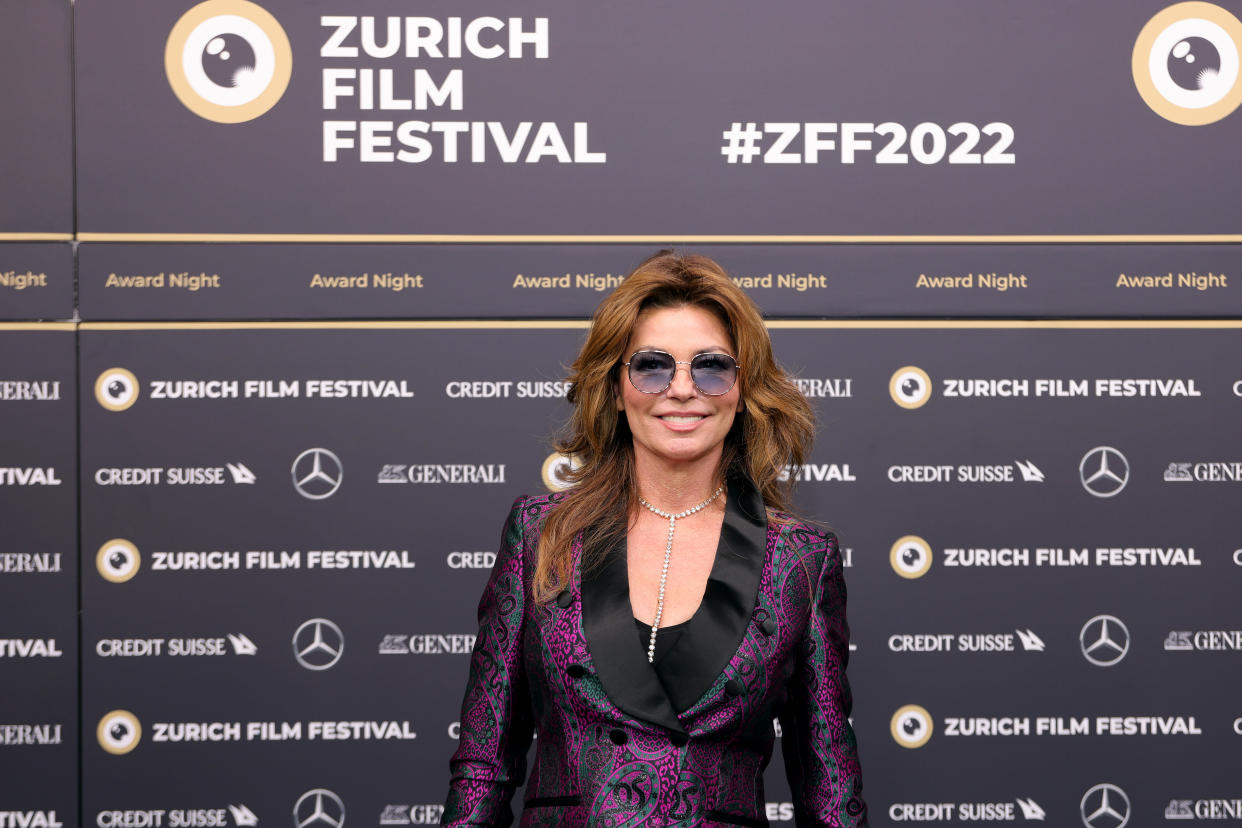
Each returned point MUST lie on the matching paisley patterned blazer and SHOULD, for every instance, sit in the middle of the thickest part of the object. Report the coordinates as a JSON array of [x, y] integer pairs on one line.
[[616, 745]]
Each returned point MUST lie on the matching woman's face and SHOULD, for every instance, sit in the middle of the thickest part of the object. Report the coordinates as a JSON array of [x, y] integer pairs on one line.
[[679, 424]]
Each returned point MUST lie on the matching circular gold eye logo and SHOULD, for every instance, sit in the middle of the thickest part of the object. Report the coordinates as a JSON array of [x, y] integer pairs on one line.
[[911, 726], [228, 61], [118, 560], [118, 732], [116, 389], [910, 556], [555, 469], [910, 387], [1185, 63]]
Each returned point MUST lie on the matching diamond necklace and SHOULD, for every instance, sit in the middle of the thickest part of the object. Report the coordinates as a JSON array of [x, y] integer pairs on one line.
[[668, 551]]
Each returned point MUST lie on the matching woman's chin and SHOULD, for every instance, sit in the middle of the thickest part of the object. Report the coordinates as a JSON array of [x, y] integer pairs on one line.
[[684, 451]]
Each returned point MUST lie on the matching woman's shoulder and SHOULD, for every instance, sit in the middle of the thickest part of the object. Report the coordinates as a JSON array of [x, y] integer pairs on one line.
[[531, 509], [800, 531]]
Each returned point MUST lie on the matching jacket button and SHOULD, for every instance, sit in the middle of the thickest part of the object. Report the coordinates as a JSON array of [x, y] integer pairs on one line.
[[576, 671], [678, 739], [618, 737], [768, 626], [734, 687], [564, 599]]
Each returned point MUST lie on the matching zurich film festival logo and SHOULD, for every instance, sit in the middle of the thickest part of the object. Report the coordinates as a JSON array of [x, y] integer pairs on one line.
[[1185, 63], [556, 470], [1104, 806], [318, 644], [118, 560], [910, 387], [319, 808], [910, 556], [116, 389], [118, 732], [911, 726], [228, 61]]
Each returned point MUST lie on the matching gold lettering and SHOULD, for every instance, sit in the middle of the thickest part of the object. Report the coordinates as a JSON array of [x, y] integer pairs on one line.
[[801, 283], [925, 281], [541, 281], [596, 283], [1145, 281], [114, 280], [195, 281], [339, 281], [21, 281], [1202, 281], [1000, 282]]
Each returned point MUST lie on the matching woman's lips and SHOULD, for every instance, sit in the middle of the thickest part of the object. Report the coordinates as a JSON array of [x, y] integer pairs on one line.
[[682, 421]]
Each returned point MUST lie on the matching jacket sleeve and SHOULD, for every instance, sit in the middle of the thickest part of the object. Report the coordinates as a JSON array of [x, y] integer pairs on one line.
[[818, 744], [495, 733]]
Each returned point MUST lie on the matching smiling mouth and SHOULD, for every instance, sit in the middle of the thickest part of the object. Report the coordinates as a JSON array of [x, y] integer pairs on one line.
[[682, 418]]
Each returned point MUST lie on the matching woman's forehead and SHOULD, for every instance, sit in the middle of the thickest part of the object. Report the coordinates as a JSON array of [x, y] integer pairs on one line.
[[685, 326]]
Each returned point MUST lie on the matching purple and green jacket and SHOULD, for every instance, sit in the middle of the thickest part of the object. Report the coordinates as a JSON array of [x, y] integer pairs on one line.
[[619, 745]]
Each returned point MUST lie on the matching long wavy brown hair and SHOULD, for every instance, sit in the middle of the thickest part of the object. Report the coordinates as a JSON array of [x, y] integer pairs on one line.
[[772, 430]]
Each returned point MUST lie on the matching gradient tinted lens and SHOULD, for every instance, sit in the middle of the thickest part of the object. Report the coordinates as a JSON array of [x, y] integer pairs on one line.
[[713, 373], [652, 371]]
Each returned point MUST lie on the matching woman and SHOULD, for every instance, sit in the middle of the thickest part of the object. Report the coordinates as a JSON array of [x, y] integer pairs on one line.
[[652, 621]]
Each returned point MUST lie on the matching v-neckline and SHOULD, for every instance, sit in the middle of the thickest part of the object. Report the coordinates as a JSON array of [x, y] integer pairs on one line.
[[712, 634], [710, 571]]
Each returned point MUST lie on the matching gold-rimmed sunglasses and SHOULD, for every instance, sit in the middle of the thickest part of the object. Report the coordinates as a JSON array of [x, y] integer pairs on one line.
[[651, 372]]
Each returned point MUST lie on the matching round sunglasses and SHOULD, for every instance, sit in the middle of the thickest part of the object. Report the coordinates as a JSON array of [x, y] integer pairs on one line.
[[651, 372]]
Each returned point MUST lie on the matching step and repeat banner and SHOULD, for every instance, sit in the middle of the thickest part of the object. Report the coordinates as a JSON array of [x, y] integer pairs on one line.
[[287, 295], [39, 677], [285, 530], [38, 575]]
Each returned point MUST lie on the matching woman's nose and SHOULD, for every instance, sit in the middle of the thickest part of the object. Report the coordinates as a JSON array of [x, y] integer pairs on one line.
[[682, 385]]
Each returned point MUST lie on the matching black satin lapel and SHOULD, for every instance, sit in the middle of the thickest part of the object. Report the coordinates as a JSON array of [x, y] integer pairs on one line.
[[608, 623], [718, 626]]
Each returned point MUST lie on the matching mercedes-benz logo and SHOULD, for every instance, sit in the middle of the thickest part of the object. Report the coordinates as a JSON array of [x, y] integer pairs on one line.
[[1105, 806], [319, 808], [317, 473], [1104, 640], [318, 644], [1104, 471]]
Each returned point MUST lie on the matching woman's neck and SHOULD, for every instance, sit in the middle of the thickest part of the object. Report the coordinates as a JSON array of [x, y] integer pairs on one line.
[[675, 487]]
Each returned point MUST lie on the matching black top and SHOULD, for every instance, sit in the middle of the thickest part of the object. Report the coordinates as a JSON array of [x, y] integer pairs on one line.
[[709, 640], [666, 637]]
